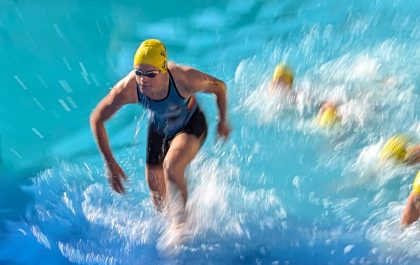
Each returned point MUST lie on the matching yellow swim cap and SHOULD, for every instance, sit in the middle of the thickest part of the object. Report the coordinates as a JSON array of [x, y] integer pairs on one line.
[[329, 117], [416, 185], [283, 72], [395, 148], [152, 52]]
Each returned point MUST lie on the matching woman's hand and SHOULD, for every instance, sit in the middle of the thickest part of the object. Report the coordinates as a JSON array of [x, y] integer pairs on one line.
[[223, 129], [115, 177]]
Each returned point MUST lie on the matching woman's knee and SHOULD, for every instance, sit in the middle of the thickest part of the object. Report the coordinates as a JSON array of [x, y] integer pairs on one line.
[[172, 169]]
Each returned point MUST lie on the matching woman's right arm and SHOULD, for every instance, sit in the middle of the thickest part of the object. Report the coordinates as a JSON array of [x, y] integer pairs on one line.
[[124, 92]]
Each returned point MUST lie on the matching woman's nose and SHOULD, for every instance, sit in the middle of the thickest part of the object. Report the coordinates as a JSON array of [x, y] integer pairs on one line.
[[142, 79]]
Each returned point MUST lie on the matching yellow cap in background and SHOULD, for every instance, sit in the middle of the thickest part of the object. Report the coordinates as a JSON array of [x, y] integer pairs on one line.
[[395, 148], [283, 73], [329, 117]]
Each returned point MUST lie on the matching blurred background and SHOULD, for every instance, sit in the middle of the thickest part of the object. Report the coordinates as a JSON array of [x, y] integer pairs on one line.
[[280, 191]]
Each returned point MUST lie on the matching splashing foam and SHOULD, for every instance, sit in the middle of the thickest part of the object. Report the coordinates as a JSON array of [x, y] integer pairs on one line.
[[388, 234], [219, 206], [80, 216]]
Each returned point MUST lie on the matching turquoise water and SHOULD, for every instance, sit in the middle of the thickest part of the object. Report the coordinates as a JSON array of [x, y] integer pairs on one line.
[[280, 191]]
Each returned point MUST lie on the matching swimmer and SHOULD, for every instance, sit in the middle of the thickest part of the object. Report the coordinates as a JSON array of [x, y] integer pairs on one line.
[[177, 127], [398, 149], [412, 207], [328, 115], [282, 82], [282, 79]]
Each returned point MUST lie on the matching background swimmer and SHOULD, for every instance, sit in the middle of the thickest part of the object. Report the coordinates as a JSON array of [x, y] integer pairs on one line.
[[282, 79], [398, 149], [412, 207], [282, 82], [328, 115]]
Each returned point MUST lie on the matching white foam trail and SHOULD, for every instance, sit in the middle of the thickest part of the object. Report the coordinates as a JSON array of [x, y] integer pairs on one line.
[[66, 63], [77, 255], [64, 105], [38, 103], [66, 86], [20, 82], [40, 237], [58, 31], [35, 131], [16, 153]]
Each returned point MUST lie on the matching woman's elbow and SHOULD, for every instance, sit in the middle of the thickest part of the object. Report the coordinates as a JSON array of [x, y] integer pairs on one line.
[[223, 85], [222, 88], [94, 119]]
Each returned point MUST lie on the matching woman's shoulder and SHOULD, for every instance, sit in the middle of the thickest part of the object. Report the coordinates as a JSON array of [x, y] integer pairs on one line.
[[180, 75]]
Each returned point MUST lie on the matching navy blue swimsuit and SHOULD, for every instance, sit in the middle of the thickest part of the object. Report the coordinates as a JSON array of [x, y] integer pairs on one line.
[[168, 117]]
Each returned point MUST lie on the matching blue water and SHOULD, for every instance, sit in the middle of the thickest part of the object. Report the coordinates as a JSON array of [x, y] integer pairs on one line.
[[279, 191]]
